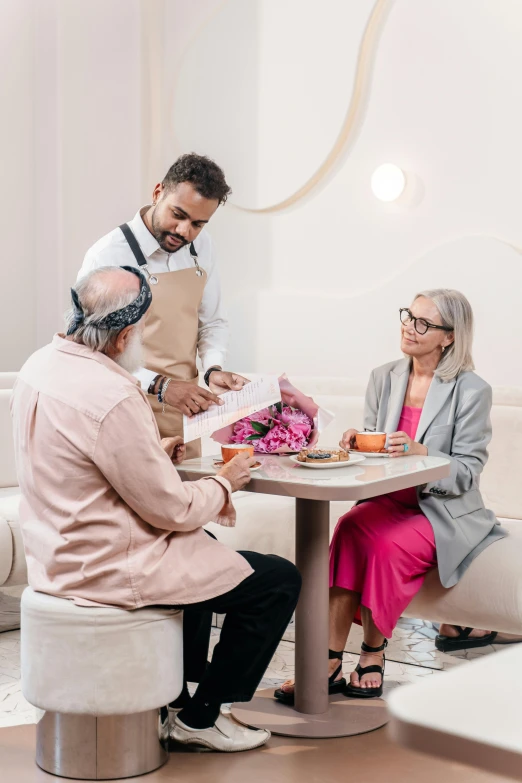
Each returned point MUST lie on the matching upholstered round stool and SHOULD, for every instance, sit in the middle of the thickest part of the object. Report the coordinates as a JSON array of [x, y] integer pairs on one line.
[[101, 675]]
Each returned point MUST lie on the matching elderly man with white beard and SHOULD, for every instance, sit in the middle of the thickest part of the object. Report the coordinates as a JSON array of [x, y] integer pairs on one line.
[[106, 519]]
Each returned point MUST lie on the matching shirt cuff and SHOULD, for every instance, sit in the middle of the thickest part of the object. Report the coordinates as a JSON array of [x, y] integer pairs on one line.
[[212, 359], [145, 377], [227, 515]]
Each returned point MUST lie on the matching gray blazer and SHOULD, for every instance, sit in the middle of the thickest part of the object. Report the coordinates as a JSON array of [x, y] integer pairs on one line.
[[455, 424]]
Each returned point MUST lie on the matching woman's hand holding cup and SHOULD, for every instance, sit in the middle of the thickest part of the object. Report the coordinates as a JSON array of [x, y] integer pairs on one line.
[[401, 445]]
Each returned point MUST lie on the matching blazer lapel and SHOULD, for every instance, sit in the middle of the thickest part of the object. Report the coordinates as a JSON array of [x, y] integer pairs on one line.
[[438, 393], [399, 377]]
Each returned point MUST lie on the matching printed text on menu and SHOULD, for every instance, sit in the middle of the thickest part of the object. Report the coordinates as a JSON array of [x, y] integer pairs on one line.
[[253, 397]]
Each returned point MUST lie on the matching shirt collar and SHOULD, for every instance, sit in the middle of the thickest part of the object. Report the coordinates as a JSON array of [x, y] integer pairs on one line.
[[68, 346], [146, 240]]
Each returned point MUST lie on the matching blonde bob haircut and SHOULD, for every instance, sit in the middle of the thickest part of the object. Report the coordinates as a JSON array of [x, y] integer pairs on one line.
[[455, 312]]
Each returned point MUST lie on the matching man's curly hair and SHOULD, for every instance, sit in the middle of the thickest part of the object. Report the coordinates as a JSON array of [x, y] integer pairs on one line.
[[205, 176]]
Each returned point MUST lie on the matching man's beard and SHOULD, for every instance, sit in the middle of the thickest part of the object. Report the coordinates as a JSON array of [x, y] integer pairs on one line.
[[132, 358], [161, 236]]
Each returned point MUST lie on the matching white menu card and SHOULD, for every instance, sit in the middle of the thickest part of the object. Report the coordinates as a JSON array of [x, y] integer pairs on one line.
[[251, 398]]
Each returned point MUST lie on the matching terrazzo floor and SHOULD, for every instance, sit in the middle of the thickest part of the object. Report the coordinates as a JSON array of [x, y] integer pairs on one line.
[[410, 655], [413, 642]]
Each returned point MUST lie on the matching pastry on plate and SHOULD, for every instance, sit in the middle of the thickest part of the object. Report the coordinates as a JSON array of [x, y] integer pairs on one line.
[[322, 456]]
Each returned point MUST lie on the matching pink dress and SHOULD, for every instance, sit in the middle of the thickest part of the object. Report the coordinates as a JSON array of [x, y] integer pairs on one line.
[[383, 548]]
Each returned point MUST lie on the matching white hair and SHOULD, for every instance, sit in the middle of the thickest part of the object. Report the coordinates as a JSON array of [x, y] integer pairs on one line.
[[455, 312], [101, 292], [132, 357]]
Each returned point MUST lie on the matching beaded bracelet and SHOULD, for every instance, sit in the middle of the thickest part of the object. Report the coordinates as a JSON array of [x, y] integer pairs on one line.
[[163, 379]]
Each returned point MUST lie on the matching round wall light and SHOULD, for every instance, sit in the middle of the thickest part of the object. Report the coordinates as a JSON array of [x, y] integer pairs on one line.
[[388, 182]]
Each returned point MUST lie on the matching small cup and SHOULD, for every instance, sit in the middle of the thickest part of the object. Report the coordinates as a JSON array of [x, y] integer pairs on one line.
[[370, 441], [231, 450]]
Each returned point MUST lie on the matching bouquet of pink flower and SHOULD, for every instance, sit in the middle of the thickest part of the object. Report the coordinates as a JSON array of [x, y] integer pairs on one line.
[[274, 428], [288, 426]]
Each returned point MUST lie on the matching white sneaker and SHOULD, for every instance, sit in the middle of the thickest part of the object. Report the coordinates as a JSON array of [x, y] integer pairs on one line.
[[225, 735], [173, 711]]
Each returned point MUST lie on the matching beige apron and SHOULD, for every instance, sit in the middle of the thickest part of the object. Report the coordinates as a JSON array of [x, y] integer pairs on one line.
[[171, 333]]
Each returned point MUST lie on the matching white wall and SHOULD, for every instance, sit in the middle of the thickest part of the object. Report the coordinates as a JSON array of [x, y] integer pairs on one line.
[[17, 311], [282, 93], [101, 109], [71, 141], [321, 281]]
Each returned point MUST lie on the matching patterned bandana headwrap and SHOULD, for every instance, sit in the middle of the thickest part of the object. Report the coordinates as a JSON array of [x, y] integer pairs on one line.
[[120, 318]]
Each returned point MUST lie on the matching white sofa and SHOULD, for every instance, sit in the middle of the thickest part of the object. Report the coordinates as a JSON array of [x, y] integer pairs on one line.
[[13, 571], [490, 594]]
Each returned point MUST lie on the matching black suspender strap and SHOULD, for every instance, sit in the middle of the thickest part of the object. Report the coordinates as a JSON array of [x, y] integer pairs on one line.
[[138, 252], [133, 244]]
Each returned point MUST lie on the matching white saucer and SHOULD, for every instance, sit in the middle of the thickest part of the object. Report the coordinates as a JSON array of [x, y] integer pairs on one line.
[[328, 465], [218, 463], [372, 454]]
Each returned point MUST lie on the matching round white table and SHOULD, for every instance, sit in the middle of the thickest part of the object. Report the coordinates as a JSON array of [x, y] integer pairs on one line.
[[315, 713]]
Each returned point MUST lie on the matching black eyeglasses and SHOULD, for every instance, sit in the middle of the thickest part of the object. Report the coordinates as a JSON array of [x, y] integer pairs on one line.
[[420, 325]]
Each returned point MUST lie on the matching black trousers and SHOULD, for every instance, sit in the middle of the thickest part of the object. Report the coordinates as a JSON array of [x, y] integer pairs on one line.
[[257, 613]]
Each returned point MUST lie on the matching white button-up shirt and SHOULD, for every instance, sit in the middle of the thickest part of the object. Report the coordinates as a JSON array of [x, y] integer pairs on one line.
[[113, 250]]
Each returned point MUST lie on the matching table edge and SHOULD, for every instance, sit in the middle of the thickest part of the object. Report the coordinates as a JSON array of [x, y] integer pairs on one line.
[[313, 492]]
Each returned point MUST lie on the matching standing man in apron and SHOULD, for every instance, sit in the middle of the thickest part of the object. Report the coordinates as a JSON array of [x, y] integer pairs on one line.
[[167, 240]]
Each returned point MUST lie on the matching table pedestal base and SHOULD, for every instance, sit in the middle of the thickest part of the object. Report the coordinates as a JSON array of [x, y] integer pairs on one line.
[[344, 718]]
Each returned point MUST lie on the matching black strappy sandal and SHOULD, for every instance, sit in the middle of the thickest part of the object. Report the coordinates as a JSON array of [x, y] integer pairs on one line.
[[463, 640], [334, 686], [368, 693]]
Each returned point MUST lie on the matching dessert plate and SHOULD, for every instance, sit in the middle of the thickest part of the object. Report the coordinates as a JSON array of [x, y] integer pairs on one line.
[[328, 465]]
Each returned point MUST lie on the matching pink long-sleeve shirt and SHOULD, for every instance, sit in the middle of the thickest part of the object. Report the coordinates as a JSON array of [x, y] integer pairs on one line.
[[104, 516]]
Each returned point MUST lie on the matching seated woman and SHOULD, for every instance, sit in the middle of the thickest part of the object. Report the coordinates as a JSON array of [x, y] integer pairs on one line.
[[432, 403]]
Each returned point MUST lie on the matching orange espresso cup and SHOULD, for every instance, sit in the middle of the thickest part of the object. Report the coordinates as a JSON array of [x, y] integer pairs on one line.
[[370, 441], [231, 450]]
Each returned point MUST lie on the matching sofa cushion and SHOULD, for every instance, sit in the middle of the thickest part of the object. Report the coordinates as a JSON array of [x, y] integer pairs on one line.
[[13, 568], [10, 503], [7, 379], [488, 596], [6, 551], [9, 511], [500, 480], [348, 411], [7, 459], [18, 573]]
